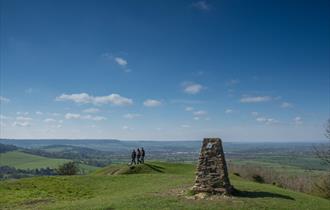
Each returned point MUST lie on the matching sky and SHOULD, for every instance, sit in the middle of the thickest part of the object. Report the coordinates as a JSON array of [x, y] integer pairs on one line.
[[165, 70]]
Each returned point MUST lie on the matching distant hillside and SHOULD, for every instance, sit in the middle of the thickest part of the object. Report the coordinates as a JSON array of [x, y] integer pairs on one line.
[[167, 187], [21, 160]]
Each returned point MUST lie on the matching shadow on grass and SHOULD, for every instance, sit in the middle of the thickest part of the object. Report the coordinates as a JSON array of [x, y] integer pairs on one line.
[[260, 194], [155, 168]]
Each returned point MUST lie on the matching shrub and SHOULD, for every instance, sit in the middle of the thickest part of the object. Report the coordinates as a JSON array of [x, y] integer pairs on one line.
[[323, 187], [258, 178], [69, 168], [236, 174]]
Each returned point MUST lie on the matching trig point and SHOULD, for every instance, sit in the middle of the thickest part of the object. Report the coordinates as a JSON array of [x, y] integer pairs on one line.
[[212, 175]]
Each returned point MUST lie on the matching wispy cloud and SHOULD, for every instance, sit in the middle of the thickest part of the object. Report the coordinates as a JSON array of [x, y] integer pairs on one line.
[[228, 111], [232, 82], [127, 128], [286, 105], [4, 99], [21, 124], [84, 98], [49, 120], [200, 113], [73, 116], [131, 116], [121, 61], [70, 116], [91, 110], [22, 113], [255, 114], [31, 90], [189, 108], [255, 99], [3, 117], [201, 5], [39, 113], [192, 88], [151, 103], [266, 120], [185, 126], [23, 118], [185, 101], [298, 120]]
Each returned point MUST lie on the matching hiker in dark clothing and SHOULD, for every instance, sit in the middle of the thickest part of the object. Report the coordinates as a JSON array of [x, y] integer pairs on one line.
[[133, 157], [138, 156], [142, 155]]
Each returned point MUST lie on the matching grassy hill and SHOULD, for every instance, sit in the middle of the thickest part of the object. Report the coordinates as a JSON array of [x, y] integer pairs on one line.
[[21, 160], [156, 185]]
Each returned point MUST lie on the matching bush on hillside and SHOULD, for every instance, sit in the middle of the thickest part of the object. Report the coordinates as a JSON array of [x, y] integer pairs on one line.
[[323, 186], [258, 178], [70, 168]]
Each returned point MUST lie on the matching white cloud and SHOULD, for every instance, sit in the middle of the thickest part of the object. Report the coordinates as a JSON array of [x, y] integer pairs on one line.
[[4, 99], [196, 118], [189, 109], [38, 113], [255, 99], [20, 118], [298, 121], [3, 117], [91, 110], [200, 113], [228, 111], [286, 105], [49, 120], [21, 124], [77, 98], [30, 90], [201, 5], [266, 120], [232, 82], [70, 116], [191, 88], [22, 113], [96, 118], [151, 103], [121, 61], [185, 126], [131, 116], [125, 127], [84, 98], [255, 114]]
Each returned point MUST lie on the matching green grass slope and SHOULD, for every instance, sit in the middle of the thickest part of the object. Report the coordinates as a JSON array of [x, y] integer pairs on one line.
[[21, 160], [163, 186]]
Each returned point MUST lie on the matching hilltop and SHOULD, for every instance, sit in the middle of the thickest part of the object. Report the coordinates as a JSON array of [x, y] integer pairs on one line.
[[155, 185]]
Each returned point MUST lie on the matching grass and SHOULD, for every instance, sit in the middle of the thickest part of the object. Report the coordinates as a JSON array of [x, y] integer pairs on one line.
[[157, 185], [21, 160]]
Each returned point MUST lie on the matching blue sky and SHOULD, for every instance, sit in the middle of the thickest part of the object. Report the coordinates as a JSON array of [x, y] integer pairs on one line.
[[239, 70]]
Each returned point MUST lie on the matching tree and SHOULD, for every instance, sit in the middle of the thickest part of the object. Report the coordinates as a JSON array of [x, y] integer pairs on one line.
[[324, 154], [69, 168]]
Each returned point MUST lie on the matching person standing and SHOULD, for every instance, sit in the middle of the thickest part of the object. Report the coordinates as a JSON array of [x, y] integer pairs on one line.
[[142, 155], [133, 157], [138, 156]]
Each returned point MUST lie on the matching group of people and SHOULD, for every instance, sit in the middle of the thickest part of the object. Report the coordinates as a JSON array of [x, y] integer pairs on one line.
[[138, 156]]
